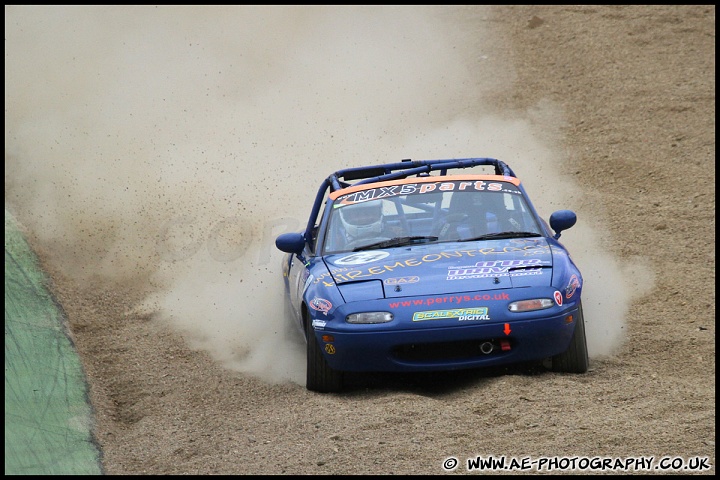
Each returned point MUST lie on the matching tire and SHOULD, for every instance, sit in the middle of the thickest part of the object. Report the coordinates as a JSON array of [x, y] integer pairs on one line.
[[575, 358], [320, 377]]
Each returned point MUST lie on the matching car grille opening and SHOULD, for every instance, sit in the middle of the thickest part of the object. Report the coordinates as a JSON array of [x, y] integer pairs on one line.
[[464, 349]]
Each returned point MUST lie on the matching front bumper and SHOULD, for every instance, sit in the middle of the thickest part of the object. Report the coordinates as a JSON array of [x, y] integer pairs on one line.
[[447, 348]]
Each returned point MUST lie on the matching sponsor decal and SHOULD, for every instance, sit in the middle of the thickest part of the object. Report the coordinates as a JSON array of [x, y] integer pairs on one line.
[[462, 314], [558, 298], [524, 247], [308, 281], [401, 280], [497, 268], [478, 297], [360, 258], [425, 187], [573, 285], [318, 324], [321, 305]]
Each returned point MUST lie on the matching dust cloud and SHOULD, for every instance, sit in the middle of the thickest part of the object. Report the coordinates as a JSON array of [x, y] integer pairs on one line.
[[168, 146]]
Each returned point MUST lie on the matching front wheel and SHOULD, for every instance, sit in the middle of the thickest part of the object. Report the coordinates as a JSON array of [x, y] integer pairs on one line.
[[575, 358], [320, 377]]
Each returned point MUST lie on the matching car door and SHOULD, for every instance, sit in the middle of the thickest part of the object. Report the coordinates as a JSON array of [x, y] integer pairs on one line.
[[297, 275]]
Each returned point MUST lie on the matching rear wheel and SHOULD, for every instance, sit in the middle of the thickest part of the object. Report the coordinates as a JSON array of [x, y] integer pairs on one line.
[[320, 377], [575, 358], [291, 330]]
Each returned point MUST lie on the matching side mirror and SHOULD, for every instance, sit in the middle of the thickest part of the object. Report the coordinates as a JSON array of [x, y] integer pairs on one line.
[[291, 243], [562, 220]]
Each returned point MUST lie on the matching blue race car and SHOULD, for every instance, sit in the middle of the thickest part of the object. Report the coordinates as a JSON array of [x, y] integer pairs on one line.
[[414, 266]]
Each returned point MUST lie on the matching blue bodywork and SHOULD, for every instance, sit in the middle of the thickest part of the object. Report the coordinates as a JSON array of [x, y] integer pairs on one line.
[[449, 300]]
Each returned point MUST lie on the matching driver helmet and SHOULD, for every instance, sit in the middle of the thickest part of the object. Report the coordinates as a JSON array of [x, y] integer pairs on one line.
[[362, 220]]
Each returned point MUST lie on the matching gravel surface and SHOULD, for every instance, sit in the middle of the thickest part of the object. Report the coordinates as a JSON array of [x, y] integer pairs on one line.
[[151, 155]]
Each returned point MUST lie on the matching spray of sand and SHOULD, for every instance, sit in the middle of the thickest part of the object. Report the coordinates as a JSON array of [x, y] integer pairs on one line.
[[170, 145]]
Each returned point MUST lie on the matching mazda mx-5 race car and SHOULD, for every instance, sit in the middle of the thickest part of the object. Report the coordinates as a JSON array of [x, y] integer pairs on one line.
[[414, 266]]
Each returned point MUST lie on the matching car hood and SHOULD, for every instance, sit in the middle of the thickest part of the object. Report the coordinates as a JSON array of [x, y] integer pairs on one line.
[[442, 268]]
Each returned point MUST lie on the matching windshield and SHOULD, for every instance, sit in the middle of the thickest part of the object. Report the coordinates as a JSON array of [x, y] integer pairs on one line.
[[447, 211]]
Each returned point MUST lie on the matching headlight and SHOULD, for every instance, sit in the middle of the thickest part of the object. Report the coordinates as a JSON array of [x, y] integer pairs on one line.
[[530, 305], [369, 317]]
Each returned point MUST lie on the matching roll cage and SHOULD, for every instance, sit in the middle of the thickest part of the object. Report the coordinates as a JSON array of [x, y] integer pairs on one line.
[[393, 171]]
